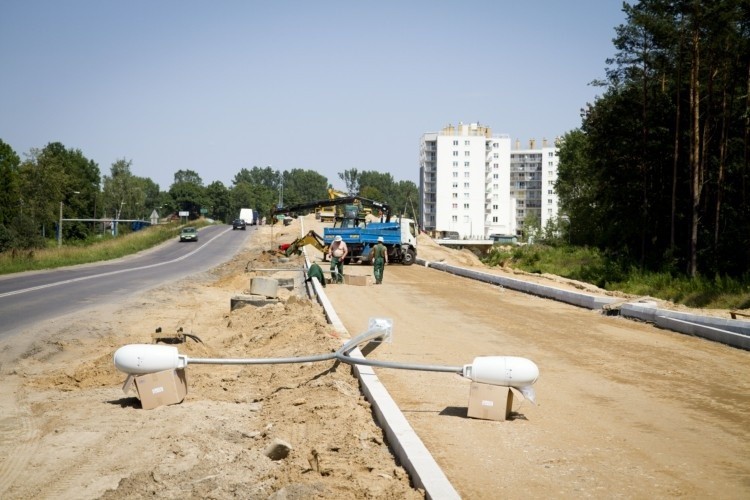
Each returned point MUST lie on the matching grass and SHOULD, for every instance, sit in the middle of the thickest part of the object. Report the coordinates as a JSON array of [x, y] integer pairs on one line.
[[84, 252], [590, 266]]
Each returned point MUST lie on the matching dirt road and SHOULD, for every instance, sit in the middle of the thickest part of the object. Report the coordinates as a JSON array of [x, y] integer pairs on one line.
[[625, 410]]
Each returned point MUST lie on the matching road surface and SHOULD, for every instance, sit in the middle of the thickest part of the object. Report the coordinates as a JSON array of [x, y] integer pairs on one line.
[[27, 298], [624, 409]]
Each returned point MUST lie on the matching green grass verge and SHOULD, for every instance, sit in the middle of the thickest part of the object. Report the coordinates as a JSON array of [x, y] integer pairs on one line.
[[591, 266], [95, 250]]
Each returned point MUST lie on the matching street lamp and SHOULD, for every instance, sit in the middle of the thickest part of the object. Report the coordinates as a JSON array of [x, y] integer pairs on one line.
[[59, 225], [117, 218], [566, 218], [281, 189]]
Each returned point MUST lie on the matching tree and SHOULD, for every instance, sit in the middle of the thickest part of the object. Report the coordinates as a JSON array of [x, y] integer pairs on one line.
[[188, 192], [302, 186], [10, 195], [351, 180], [217, 196], [42, 184], [662, 186]]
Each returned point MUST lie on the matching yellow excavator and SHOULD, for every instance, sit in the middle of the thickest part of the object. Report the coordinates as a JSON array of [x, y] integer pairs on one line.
[[311, 238], [328, 213]]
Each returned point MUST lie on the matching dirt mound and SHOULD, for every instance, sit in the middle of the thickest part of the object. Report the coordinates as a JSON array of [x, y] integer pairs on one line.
[[70, 422]]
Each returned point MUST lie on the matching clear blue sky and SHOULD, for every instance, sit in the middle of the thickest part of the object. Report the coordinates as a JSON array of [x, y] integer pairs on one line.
[[215, 86]]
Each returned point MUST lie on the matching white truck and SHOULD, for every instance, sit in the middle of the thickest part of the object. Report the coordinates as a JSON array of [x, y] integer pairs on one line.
[[247, 215]]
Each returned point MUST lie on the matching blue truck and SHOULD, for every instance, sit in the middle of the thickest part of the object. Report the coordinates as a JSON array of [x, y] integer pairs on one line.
[[351, 223], [399, 237]]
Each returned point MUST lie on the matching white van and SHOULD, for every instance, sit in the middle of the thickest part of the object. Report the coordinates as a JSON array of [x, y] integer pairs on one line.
[[248, 215]]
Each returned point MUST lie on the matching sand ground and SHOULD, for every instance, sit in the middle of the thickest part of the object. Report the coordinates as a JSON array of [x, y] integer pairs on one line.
[[68, 430]]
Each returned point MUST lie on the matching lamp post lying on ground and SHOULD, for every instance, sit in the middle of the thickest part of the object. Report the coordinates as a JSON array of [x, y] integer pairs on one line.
[[510, 371]]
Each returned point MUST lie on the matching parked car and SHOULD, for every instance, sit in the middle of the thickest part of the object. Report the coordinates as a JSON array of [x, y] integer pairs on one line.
[[239, 224], [188, 234]]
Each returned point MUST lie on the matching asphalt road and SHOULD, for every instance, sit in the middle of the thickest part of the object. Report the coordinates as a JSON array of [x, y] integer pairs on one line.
[[27, 298]]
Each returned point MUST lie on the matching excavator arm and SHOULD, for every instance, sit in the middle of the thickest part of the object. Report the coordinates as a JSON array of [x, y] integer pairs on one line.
[[311, 238]]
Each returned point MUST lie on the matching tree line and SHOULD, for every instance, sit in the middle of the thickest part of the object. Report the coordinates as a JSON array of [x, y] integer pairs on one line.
[[658, 174], [57, 182]]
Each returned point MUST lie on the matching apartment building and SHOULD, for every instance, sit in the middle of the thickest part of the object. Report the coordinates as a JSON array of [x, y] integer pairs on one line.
[[473, 183], [533, 173]]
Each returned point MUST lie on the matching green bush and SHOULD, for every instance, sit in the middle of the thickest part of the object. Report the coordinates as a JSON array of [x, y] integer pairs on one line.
[[592, 266]]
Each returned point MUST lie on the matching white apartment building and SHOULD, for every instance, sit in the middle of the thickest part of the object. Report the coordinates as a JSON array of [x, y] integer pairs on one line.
[[471, 182], [533, 173]]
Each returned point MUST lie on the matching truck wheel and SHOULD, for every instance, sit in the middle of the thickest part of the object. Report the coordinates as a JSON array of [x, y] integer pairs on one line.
[[409, 257]]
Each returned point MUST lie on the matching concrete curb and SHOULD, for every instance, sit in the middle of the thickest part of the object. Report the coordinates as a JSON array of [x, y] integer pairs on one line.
[[732, 332], [413, 455]]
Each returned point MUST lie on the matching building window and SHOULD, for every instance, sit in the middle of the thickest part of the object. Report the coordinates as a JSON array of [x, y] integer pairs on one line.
[[466, 142], [466, 206], [494, 186], [454, 218], [494, 144], [549, 191], [550, 183], [495, 155], [495, 207], [455, 174], [466, 164], [455, 205], [455, 195], [466, 185], [455, 185], [494, 165], [495, 176], [466, 195], [455, 164], [455, 153], [467, 153], [455, 142], [549, 201], [494, 219], [467, 174]]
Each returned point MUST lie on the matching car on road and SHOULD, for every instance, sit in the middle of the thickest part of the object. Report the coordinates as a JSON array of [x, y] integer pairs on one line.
[[239, 224], [188, 234]]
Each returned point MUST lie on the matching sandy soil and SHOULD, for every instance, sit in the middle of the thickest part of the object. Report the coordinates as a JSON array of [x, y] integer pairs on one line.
[[68, 431]]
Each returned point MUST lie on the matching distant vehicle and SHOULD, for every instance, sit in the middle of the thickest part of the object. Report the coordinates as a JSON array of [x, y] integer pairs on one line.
[[504, 239], [247, 215], [238, 224], [188, 234]]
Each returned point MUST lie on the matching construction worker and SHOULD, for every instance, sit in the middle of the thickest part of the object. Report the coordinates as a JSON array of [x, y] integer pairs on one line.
[[379, 255], [337, 253], [316, 272]]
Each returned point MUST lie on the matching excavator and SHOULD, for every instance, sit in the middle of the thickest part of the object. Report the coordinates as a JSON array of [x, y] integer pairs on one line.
[[311, 238], [328, 213]]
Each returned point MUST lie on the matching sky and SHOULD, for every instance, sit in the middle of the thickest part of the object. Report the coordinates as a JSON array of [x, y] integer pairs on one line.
[[329, 86]]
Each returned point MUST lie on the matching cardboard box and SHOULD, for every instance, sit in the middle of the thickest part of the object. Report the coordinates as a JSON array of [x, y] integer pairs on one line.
[[167, 387], [490, 402], [355, 280]]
